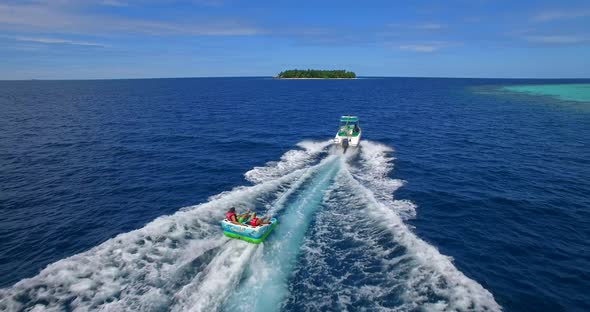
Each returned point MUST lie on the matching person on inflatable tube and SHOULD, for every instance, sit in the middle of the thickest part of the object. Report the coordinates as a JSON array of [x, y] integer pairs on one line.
[[232, 217], [255, 221]]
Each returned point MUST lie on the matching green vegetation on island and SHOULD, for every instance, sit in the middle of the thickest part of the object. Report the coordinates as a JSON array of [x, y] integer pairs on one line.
[[314, 73]]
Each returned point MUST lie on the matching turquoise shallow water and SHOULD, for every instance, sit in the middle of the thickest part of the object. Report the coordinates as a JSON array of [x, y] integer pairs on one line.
[[579, 92]]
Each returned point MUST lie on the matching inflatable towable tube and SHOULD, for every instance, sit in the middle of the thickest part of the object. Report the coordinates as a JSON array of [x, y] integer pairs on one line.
[[243, 231]]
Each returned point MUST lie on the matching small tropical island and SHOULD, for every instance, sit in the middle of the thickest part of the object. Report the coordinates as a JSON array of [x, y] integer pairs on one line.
[[315, 74]]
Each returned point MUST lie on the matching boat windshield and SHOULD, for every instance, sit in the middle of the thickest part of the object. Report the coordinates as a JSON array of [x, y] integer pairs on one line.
[[349, 126]]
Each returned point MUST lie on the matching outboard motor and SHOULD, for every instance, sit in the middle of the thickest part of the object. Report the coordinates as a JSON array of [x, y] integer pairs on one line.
[[344, 144]]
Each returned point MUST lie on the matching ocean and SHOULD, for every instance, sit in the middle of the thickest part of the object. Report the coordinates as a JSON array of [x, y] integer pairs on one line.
[[465, 195]]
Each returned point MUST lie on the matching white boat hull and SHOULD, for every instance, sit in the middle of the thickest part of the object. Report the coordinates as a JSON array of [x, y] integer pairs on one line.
[[352, 140]]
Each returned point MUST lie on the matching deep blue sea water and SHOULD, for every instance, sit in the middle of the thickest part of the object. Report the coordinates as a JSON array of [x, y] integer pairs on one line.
[[462, 196]]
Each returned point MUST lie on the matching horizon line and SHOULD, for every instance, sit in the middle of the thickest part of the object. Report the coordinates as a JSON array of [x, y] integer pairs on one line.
[[221, 77]]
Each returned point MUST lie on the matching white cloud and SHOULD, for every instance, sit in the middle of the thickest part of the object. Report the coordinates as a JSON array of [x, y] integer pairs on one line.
[[416, 26], [420, 47], [115, 3], [557, 39], [34, 16], [47, 18], [225, 28], [430, 26], [554, 15], [59, 41]]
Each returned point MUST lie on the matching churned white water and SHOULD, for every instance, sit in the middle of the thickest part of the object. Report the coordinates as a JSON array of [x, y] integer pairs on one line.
[[341, 240]]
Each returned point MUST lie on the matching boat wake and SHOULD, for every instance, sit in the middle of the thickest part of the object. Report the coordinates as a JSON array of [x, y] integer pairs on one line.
[[341, 244]]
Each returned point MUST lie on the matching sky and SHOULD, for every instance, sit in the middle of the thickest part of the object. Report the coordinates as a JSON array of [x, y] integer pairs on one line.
[[103, 39]]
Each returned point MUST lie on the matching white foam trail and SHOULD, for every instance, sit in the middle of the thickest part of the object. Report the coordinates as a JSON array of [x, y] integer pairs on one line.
[[140, 270], [181, 262], [210, 287], [380, 264], [281, 201], [376, 165], [340, 236], [265, 288], [208, 291], [431, 272], [290, 161]]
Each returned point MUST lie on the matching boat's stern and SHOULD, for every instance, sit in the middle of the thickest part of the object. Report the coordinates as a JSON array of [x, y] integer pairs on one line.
[[355, 140], [347, 141]]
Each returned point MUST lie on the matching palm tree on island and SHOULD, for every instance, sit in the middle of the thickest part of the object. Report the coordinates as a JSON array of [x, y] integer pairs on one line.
[[315, 74]]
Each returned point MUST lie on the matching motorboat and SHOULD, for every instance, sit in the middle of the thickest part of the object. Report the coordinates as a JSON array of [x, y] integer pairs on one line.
[[349, 132]]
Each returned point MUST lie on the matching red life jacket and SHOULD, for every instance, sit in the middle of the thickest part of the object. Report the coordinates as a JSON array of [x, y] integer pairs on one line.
[[253, 221], [228, 215]]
